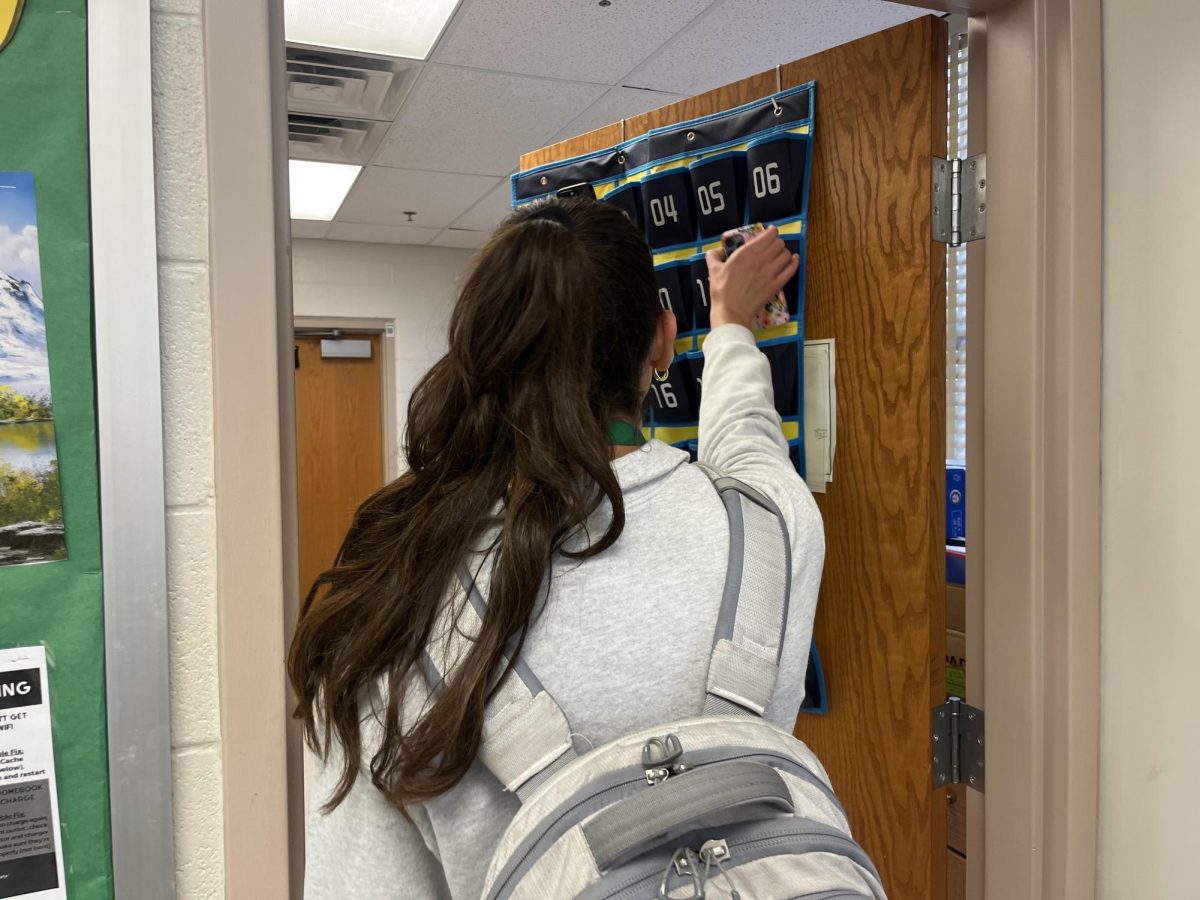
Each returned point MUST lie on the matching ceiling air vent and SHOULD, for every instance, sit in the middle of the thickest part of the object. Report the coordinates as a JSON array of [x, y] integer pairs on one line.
[[347, 85], [327, 139]]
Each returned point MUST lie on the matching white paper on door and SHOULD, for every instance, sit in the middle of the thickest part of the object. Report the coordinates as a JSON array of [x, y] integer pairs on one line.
[[820, 414]]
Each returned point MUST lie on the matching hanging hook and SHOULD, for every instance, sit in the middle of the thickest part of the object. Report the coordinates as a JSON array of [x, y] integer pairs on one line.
[[778, 77]]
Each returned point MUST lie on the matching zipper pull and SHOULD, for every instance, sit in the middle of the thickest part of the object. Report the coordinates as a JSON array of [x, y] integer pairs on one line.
[[716, 853], [662, 758]]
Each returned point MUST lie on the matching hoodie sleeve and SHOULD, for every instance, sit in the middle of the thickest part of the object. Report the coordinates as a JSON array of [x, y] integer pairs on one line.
[[741, 437]]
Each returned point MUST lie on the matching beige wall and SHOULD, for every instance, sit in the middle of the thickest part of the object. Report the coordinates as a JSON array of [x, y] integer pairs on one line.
[[181, 184], [415, 286], [1150, 730]]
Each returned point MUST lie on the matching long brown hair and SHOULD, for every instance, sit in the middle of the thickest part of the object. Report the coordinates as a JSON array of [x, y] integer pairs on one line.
[[549, 339]]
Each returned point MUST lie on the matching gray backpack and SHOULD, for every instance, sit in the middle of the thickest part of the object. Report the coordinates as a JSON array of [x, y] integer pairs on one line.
[[724, 806]]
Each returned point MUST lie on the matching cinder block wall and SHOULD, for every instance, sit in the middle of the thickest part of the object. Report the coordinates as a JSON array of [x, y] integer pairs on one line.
[[181, 182]]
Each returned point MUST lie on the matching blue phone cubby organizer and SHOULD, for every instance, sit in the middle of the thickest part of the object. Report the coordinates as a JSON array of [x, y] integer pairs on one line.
[[684, 185]]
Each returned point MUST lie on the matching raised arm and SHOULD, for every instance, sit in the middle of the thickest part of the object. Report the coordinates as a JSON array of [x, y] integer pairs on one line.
[[740, 430]]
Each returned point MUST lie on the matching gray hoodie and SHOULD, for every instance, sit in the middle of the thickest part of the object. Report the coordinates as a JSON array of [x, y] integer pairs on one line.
[[622, 642]]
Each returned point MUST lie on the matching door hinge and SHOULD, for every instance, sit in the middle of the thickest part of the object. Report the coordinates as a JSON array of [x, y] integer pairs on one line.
[[957, 745], [959, 199]]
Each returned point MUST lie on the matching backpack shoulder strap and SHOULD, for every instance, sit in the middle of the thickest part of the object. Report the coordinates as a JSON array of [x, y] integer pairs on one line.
[[526, 737], [748, 640]]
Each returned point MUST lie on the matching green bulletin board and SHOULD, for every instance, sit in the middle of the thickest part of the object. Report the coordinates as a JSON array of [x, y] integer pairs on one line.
[[43, 130]]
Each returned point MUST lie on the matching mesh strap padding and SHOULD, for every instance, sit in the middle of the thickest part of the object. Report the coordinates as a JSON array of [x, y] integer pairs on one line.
[[741, 676], [744, 665]]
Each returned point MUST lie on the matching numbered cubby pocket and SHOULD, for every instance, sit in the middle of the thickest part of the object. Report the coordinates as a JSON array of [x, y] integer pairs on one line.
[[775, 173], [628, 198], [701, 297], [667, 208], [719, 192], [784, 359], [671, 401], [674, 293], [794, 289]]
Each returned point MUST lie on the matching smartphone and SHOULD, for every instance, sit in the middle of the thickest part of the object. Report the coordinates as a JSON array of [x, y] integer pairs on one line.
[[775, 311], [583, 189]]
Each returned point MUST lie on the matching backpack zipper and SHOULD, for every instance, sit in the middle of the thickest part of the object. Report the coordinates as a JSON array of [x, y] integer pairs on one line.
[[500, 889], [798, 835]]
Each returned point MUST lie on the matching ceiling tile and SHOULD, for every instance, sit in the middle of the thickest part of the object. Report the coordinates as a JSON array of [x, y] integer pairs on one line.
[[309, 228], [381, 195], [463, 120], [461, 237], [488, 212], [381, 234], [582, 41], [619, 103], [737, 38]]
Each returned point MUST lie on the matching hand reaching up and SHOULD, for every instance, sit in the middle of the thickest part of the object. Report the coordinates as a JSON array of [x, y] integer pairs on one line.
[[742, 284]]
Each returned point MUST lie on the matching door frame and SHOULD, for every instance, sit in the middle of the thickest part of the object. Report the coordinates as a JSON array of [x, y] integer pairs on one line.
[[385, 329], [1035, 420]]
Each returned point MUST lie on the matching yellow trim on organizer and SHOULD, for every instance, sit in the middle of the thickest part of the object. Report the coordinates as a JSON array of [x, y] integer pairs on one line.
[[675, 434], [736, 148], [604, 188], [647, 432], [682, 163], [791, 430], [795, 227], [787, 329], [718, 151], [684, 345], [671, 256]]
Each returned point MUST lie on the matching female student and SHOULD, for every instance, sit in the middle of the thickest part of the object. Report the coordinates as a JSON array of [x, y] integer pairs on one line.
[[602, 558]]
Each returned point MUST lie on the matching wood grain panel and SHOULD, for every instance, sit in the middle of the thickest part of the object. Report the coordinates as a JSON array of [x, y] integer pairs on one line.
[[875, 283], [339, 447], [584, 143], [724, 97]]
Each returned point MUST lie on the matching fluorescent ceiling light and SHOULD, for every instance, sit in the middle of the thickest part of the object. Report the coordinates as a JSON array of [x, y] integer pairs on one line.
[[318, 188], [387, 27]]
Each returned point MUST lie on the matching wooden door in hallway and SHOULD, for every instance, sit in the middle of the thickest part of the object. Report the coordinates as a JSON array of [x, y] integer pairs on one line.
[[876, 283], [339, 445]]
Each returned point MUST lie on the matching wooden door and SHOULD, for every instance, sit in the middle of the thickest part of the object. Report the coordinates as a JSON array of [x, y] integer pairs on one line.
[[876, 284], [339, 446]]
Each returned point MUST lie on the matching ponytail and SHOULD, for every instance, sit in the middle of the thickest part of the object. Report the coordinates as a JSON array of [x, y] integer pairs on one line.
[[547, 342]]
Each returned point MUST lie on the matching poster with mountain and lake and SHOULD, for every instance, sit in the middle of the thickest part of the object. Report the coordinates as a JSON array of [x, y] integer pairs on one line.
[[31, 520]]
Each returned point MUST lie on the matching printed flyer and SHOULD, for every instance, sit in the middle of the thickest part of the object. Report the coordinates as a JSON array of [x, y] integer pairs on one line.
[[31, 865]]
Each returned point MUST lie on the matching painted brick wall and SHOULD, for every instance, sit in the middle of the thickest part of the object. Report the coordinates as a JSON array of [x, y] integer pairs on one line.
[[415, 286], [181, 181]]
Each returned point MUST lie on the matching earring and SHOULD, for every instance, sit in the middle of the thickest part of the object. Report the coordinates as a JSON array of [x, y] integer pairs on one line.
[[663, 375]]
